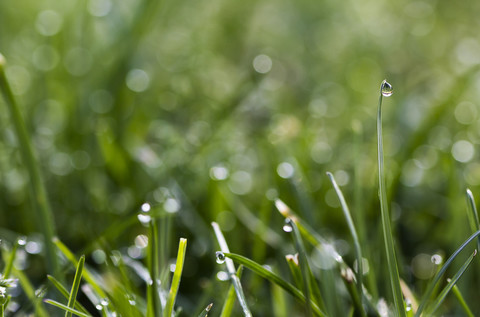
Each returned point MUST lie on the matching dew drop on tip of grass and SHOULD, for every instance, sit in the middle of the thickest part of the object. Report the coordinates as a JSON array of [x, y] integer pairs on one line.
[[220, 257], [437, 259], [22, 241], [287, 227], [387, 89], [146, 207], [99, 307]]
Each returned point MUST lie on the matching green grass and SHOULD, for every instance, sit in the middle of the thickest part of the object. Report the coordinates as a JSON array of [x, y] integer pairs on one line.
[[129, 125]]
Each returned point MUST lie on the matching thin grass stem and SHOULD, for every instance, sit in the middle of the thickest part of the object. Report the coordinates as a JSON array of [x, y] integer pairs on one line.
[[75, 286], [177, 275]]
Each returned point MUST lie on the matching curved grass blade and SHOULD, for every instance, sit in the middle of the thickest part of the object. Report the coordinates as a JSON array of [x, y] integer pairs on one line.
[[436, 279], [205, 312], [274, 278], [230, 299], [66, 308], [177, 275], [385, 214], [353, 232], [461, 300], [76, 284], [474, 222], [64, 292], [231, 270], [37, 187], [443, 294]]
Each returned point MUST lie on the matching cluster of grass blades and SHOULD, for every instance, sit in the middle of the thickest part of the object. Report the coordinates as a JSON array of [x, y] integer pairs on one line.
[[318, 291]]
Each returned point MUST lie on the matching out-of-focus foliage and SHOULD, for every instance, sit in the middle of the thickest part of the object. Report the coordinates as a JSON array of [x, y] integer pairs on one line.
[[211, 109]]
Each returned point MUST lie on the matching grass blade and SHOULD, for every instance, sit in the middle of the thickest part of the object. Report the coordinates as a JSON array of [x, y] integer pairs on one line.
[[66, 308], [76, 284], [436, 279], [11, 259], [353, 232], [462, 302], [385, 214], [443, 294], [274, 278], [177, 275], [231, 270], [37, 187], [205, 312], [474, 222], [64, 292], [230, 299], [153, 300]]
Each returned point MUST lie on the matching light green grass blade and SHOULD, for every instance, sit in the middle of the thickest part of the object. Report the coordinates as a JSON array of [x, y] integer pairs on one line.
[[274, 278], [87, 275], [231, 270], [76, 284], [205, 312], [64, 292], [66, 308], [177, 275], [37, 187], [443, 294], [154, 307], [293, 265], [9, 262], [385, 214], [436, 279], [473, 216], [356, 241], [230, 299], [462, 301]]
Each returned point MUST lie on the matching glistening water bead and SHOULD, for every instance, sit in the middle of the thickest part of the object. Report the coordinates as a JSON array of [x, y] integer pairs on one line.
[[287, 227], [386, 88], [220, 257]]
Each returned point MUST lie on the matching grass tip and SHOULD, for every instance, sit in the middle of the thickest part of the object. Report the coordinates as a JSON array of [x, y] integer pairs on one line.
[[209, 307], [3, 60]]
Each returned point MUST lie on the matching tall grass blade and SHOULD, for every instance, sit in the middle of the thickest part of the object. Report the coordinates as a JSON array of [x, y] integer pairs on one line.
[[231, 270], [385, 214], [30, 292], [66, 308], [353, 232], [443, 294], [11, 259], [37, 187], [154, 307], [64, 292], [273, 278], [474, 222], [436, 279], [461, 300], [205, 312], [230, 299], [76, 284], [177, 275]]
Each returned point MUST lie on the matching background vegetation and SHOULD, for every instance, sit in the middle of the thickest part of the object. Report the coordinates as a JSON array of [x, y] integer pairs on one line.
[[209, 110]]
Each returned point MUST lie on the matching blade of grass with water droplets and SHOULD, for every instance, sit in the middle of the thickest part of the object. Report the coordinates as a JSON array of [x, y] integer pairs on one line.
[[230, 299], [37, 187], [353, 232], [231, 270], [64, 292], [436, 279], [274, 278], [462, 301], [385, 214], [205, 312], [441, 297], [66, 308], [474, 222], [76, 284], [177, 275]]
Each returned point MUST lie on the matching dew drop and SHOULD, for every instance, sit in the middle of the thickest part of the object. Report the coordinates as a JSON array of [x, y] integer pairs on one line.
[[220, 257], [287, 227], [99, 307], [22, 241], [386, 88], [437, 259]]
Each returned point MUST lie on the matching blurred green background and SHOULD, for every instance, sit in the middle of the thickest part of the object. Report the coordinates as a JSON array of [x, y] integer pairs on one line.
[[212, 109]]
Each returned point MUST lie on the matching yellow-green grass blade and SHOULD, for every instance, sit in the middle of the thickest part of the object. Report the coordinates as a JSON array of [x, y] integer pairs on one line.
[[461, 300], [177, 275], [64, 292], [230, 299], [66, 308], [76, 284]]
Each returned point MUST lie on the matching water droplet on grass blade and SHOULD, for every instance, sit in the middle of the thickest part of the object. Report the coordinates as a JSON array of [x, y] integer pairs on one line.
[[386, 88], [287, 227], [22, 241], [220, 257]]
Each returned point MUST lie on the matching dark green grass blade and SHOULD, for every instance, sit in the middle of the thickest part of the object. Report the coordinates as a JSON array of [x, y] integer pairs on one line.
[[182, 247], [64, 292], [474, 222], [37, 187], [353, 232], [76, 284], [385, 215], [154, 308], [436, 279], [443, 294], [230, 299], [205, 312], [66, 308], [274, 278], [461, 300], [231, 269]]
